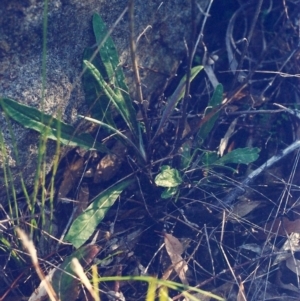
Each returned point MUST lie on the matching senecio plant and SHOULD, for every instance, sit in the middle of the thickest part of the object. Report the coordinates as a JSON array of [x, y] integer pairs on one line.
[[104, 82]]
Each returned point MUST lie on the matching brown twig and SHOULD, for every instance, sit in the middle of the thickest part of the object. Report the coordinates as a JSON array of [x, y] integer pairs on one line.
[[136, 70], [239, 190], [191, 54], [248, 40], [185, 101], [211, 114], [227, 271]]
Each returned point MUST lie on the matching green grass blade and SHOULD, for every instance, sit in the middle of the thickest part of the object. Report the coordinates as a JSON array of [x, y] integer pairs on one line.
[[107, 51], [6, 246], [109, 57], [96, 99], [125, 109], [125, 139], [175, 98], [47, 125], [113, 70], [163, 293], [214, 102], [86, 223], [186, 290], [151, 293]]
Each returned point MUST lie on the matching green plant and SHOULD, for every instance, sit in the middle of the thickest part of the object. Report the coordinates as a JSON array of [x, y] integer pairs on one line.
[[106, 92], [105, 87], [85, 225]]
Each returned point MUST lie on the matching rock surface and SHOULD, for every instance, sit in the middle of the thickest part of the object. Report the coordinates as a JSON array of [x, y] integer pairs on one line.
[[165, 25]]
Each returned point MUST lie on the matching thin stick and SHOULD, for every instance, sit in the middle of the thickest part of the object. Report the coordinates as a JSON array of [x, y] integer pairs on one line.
[[185, 101], [192, 51], [248, 40], [136, 70], [28, 244], [109, 32], [240, 190]]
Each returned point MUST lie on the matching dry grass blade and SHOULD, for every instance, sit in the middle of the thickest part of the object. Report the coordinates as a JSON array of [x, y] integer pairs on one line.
[[28, 244]]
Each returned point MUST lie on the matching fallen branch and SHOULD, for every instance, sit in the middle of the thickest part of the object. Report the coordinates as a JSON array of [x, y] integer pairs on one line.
[[240, 190]]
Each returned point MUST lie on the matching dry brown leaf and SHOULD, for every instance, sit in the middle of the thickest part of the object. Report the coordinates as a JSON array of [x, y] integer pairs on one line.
[[166, 275], [71, 175], [281, 226], [241, 296], [228, 135], [287, 286], [40, 293], [181, 268], [83, 199], [291, 245], [173, 245], [241, 209], [110, 164], [290, 226], [175, 249], [293, 264]]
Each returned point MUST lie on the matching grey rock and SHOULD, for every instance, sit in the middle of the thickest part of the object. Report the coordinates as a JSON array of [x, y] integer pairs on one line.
[[69, 32]]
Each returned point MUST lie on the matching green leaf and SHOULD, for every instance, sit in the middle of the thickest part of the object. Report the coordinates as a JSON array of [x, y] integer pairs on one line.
[[118, 93], [47, 125], [169, 192], [240, 156], [86, 223], [115, 96], [175, 98], [209, 158], [109, 56], [7, 247], [180, 90], [64, 279], [214, 102], [96, 99], [168, 177], [125, 139], [105, 84]]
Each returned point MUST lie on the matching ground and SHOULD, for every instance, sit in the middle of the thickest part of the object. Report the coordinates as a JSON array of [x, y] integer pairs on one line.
[[240, 246]]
